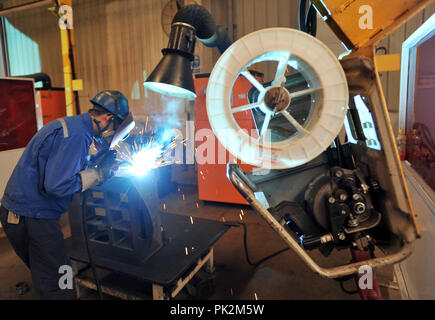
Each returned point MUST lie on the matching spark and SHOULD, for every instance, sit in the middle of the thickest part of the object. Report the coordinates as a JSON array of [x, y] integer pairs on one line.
[[255, 295], [223, 219], [243, 214], [241, 217], [187, 251], [164, 206], [145, 153], [197, 205], [231, 292], [191, 220], [184, 197]]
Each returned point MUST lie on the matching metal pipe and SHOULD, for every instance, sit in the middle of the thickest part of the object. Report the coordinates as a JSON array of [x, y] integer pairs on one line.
[[335, 272]]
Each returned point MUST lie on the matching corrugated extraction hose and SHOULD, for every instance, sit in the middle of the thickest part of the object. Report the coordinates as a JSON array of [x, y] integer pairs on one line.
[[206, 29]]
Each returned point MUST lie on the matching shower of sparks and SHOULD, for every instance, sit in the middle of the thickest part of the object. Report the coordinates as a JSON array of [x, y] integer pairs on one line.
[[145, 152], [191, 220]]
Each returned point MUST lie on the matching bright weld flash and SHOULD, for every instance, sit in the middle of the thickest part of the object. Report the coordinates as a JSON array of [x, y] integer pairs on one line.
[[144, 160]]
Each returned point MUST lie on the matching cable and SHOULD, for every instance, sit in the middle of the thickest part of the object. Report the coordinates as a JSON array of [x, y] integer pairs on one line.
[[307, 18], [311, 21], [245, 245], [345, 290], [302, 9], [91, 262]]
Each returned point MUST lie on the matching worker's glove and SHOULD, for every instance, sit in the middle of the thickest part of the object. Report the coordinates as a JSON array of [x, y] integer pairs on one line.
[[95, 176]]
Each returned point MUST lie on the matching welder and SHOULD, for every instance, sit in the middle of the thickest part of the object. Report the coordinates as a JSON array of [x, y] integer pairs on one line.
[[53, 167]]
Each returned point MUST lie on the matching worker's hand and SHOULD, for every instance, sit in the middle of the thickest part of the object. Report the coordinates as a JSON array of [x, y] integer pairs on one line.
[[95, 176], [106, 173]]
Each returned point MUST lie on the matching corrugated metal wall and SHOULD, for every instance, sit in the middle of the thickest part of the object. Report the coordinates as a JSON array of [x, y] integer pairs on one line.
[[40, 26], [118, 42]]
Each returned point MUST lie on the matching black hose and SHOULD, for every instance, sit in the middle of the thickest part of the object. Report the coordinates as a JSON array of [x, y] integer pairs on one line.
[[245, 245], [345, 290], [307, 19], [206, 29], [91, 261], [311, 21], [199, 18], [302, 15]]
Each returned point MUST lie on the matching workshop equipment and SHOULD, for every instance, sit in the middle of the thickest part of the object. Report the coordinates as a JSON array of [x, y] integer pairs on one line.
[[22, 118], [122, 219], [50, 100], [117, 226], [173, 75], [351, 194], [21, 114], [187, 250], [213, 184]]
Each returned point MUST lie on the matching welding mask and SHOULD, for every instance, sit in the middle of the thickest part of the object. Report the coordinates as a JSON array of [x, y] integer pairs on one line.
[[117, 104], [104, 137]]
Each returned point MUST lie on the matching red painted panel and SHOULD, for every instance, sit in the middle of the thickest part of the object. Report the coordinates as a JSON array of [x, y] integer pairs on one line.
[[17, 110], [213, 184]]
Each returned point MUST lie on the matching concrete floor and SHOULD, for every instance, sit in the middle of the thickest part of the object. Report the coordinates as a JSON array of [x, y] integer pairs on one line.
[[280, 278]]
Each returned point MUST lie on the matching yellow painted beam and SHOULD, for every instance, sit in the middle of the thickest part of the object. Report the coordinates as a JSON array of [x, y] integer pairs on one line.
[[77, 85], [68, 60], [364, 23], [388, 62]]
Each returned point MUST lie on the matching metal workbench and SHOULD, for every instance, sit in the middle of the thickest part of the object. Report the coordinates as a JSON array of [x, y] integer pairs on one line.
[[188, 247]]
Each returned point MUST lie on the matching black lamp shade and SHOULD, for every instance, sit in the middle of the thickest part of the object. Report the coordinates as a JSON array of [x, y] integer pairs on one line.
[[172, 76]]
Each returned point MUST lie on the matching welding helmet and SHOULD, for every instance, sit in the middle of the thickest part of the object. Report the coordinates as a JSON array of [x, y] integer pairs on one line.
[[116, 104]]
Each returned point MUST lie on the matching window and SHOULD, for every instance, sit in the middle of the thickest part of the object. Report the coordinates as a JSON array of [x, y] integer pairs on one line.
[[417, 109], [22, 52]]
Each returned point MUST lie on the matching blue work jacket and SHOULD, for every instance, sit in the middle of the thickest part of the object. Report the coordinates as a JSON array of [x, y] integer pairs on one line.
[[46, 176]]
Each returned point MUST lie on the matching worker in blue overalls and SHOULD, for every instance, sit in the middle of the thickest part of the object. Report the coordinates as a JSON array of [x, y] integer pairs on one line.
[[51, 170]]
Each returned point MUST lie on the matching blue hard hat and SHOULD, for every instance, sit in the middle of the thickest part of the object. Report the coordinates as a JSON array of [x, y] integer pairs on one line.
[[112, 101]]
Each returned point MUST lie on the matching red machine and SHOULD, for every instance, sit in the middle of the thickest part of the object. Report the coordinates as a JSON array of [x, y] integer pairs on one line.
[[18, 112], [52, 102], [213, 184]]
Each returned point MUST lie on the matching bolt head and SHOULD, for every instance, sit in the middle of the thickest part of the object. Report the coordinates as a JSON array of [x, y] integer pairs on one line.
[[343, 197]]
